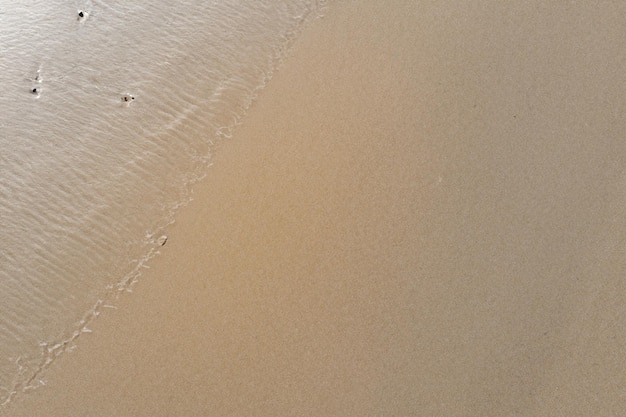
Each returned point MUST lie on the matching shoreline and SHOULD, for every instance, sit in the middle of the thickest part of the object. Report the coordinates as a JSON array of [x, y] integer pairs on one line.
[[414, 218]]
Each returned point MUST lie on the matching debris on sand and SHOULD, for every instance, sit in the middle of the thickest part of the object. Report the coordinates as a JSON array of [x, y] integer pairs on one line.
[[162, 240]]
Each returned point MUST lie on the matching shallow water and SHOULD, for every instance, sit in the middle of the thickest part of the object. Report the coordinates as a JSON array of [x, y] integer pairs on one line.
[[88, 181]]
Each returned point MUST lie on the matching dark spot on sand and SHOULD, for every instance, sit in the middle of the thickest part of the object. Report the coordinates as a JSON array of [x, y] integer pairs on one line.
[[35, 90]]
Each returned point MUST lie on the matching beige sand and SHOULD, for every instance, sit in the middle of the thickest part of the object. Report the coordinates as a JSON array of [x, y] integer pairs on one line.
[[421, 215]]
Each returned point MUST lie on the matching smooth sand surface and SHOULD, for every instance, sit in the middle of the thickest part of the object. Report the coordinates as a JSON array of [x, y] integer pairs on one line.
[[422, 215]]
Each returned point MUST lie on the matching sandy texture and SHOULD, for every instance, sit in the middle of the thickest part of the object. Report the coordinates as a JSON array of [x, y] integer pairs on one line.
[[421, 215]]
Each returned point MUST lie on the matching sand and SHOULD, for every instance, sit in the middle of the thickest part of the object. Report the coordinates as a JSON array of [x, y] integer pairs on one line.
[[420, 215]]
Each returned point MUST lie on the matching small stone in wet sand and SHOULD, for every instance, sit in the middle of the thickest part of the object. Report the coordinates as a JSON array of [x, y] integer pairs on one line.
[[35, 91], [82, 15], [162, 240]]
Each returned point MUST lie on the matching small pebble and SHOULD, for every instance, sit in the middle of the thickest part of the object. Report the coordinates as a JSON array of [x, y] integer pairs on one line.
[[35, 91], [162, 240], [127, 98]]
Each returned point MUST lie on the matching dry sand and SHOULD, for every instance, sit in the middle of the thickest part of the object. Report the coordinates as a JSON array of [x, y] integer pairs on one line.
[[421, 215]]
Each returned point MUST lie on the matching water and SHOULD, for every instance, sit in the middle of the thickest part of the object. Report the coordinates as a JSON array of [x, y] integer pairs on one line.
[[88, 181]]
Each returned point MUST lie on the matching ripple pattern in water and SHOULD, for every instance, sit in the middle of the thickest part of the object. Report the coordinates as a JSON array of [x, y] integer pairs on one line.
[[108, 112]]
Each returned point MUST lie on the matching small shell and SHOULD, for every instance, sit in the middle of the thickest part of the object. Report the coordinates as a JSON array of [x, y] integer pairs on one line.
[[162, 240]]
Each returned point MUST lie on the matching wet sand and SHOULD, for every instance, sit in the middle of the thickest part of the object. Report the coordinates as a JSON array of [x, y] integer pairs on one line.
[[422, 214]]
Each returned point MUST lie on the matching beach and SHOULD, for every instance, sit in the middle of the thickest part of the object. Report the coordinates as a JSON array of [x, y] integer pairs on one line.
[[420, 214]]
